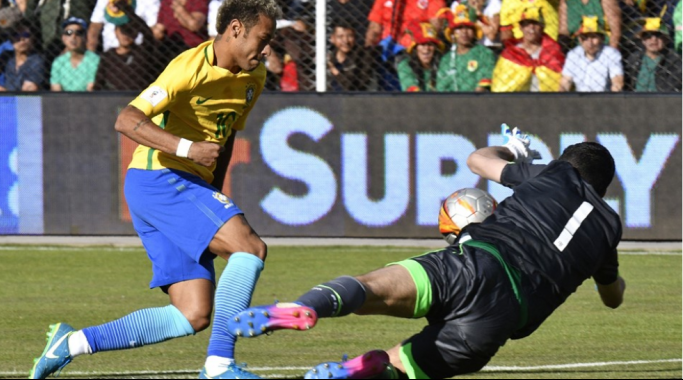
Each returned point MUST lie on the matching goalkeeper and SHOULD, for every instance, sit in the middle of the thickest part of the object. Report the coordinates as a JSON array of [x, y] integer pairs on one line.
[[500, 280]]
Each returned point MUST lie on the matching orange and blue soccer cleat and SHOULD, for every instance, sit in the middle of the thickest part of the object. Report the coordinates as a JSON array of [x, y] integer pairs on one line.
[[371, 365], [259, 320], [56, 354]]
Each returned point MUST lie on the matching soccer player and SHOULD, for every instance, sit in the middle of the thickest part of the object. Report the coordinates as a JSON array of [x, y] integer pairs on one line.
[[202, 98], [500, 280]]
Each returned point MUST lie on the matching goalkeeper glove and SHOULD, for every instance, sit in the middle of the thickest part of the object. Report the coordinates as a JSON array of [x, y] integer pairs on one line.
[[518, 144]]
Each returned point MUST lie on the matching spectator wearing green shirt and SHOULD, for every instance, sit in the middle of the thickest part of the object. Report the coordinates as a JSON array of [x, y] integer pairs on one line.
[[468, 66], [417, 69], [74, 70], [655, 69], [46, 17]]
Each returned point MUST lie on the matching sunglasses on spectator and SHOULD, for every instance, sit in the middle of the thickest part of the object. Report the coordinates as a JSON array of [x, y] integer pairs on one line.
[[648, 35], [17, 36], [71, 32]]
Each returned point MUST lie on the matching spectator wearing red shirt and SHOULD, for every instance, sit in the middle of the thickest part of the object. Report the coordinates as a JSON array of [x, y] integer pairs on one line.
[[390, 18], [181, 24]]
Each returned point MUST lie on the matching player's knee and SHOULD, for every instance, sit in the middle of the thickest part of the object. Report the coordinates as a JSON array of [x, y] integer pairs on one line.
[[254, 247], [198, 315], [199, 320], [261, 250], [257, 248]]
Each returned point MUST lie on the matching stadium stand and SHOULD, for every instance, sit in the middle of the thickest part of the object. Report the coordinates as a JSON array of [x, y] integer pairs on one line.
[[298, 62]]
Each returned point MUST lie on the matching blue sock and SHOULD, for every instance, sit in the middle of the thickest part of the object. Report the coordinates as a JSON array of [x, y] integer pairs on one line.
[[233, 294], [146, 326], [337, 298]]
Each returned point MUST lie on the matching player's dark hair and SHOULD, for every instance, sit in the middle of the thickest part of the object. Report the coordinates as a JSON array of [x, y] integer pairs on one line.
[[247, 12], [594, 163]]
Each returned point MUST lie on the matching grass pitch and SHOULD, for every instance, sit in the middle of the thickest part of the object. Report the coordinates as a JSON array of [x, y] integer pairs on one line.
[[88, 286]]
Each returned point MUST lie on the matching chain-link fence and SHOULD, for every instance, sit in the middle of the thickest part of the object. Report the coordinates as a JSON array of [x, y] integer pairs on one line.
[[357, 45]]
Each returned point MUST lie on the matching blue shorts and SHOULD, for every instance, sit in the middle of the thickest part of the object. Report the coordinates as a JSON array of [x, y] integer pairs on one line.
[[176, 214]]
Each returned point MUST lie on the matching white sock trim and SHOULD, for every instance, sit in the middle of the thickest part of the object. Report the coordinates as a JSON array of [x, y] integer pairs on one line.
[[78, 344], [215, 365]]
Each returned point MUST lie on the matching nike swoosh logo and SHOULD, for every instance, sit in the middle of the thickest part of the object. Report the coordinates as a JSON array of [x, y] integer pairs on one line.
[[51, 353], [200, 101]]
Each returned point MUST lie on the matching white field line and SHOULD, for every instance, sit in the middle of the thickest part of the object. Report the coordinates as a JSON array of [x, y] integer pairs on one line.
[[575, 365], [66, 248], [127, 249], [264, 369]]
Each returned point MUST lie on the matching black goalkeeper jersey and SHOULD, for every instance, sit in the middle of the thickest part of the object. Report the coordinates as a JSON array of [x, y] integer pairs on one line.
[[556, 230]]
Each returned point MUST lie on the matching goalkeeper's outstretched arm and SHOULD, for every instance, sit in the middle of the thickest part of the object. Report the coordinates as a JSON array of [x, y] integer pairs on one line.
[[490, 161]]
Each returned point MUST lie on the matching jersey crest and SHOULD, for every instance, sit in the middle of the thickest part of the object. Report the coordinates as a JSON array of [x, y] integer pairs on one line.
[[251, 90], [223, 199]]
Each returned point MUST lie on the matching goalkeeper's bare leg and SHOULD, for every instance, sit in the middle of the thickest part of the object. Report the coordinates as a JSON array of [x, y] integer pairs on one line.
[[387, 291]]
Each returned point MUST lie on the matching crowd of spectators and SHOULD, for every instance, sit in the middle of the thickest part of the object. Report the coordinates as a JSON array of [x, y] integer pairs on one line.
[[373, 45]]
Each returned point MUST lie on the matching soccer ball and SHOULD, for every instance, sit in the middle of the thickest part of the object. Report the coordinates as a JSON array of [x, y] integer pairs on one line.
[[465, 206]]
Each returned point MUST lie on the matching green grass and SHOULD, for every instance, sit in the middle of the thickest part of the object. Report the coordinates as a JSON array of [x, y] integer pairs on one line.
[[87, 286]]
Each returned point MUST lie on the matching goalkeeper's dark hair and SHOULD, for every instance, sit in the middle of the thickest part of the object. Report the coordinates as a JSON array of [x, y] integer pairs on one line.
[[247, 12], [594, 162]]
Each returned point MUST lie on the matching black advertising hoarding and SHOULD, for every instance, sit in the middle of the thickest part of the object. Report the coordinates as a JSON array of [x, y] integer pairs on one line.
[[332, 165]]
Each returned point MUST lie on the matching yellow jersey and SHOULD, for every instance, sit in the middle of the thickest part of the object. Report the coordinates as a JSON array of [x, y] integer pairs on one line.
[[195, 100], [511, 12]]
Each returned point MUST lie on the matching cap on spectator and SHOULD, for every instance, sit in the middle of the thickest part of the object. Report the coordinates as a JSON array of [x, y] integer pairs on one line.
[[532, 14], [9, 16], [653, 25], [590, 25], [422, 33], [75, 21], [118, 17], [463, 15]]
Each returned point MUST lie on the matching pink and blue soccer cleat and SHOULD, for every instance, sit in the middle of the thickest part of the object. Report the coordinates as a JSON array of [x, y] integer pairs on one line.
[[259, 320], [56, 354], [371, 365]]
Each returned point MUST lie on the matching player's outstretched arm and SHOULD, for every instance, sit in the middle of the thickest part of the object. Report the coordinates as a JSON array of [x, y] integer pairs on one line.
[[612, 295], [490, 161], [135, 125]]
